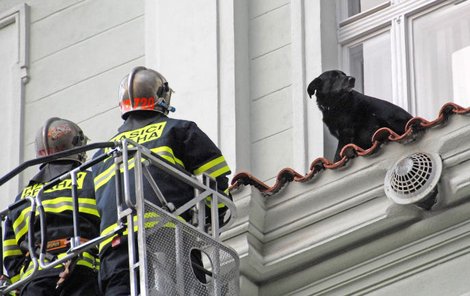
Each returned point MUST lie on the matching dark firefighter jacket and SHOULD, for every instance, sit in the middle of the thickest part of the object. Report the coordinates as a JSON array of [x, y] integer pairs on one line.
[[180, 143], [57, 202]]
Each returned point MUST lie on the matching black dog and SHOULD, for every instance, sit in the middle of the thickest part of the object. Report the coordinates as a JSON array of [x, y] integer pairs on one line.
[[351, 116]]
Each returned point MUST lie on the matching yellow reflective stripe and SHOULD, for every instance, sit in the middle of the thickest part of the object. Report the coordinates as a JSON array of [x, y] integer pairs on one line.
[[29, 270], [108, 240], [167, 153], [214, 168], [209, 203], [148, 223], [54, 205], [109, 173], [20, 225], [87, 260], [11, 248], [104, 177], [15, 278], [12, 253], [220, 172], [60, 204], [163, 151], [9, 242], [21, 218]]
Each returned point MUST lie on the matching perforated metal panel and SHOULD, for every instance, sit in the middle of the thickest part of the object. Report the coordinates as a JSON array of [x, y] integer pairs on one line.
[[174, 250]]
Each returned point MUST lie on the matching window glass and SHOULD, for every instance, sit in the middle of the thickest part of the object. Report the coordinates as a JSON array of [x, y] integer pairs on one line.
[[441, 59], [370, 63]]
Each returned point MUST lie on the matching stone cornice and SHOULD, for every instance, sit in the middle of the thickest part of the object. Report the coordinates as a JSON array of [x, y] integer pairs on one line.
[[341, 209]]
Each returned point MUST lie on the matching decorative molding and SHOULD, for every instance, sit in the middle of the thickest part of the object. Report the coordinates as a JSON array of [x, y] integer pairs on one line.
[[382, 18], [299, 98], [363, 14], [20, 16], [307, 229], [391, 267]]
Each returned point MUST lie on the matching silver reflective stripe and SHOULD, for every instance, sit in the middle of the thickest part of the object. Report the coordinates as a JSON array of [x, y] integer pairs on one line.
[[10, 248], [215, 168]]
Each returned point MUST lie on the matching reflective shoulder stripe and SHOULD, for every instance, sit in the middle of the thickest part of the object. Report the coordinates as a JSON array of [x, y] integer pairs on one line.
[[214, 168], [168, 154], [104, 177], [163, 151]]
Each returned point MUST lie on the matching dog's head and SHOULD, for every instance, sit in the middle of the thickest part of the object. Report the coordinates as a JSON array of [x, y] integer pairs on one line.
[[331, 82]]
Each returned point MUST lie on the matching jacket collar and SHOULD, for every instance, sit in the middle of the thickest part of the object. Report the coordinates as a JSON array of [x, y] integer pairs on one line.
[[49, 171], [140, 119]]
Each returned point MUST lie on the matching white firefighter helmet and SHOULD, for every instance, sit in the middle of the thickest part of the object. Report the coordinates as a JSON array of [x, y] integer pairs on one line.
[[58, 135], [144, 90]]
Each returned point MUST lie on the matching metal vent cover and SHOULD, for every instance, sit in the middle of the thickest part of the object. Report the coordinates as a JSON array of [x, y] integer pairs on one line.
[[413, 178]]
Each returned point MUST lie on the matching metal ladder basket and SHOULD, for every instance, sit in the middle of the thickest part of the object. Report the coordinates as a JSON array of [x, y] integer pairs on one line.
[[162, 249]]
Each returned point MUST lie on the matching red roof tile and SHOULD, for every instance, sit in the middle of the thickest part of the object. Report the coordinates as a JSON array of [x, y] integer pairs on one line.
[[350, 151]]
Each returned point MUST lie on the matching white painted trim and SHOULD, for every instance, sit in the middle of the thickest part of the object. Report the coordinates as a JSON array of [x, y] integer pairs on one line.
[[351, 31], [435, 248], [400, 93], [299, 99], [362, 14], [226, 76], [20, 18]]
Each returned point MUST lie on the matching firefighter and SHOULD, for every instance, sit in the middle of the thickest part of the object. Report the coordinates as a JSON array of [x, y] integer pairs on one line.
[[144, 96], [79, 275]]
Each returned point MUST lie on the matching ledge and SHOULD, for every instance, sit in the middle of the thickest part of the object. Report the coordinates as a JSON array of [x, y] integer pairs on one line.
[[312, 223]]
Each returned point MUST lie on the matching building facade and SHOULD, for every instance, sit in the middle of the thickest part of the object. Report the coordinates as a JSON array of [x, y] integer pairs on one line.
[[240, 70]]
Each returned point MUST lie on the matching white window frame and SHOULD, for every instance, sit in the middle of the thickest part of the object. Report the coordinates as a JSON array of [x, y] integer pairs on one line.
[[396, 16]]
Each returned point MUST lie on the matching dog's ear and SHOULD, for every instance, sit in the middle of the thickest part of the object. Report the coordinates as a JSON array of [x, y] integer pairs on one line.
[[351, 83], [313, 86]]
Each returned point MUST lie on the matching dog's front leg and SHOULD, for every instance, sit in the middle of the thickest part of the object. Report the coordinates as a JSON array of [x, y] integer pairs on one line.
[[346, 136]]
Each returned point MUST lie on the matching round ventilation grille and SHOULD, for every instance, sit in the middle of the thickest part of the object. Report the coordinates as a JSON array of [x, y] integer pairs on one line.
[[414, 178]]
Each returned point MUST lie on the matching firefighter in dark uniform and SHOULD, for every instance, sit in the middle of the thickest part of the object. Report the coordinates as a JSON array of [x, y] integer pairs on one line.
[[144, 104], [79, 275]]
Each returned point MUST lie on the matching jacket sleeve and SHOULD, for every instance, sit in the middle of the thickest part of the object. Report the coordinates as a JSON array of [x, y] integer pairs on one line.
[[13, 257], [203, 156]]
